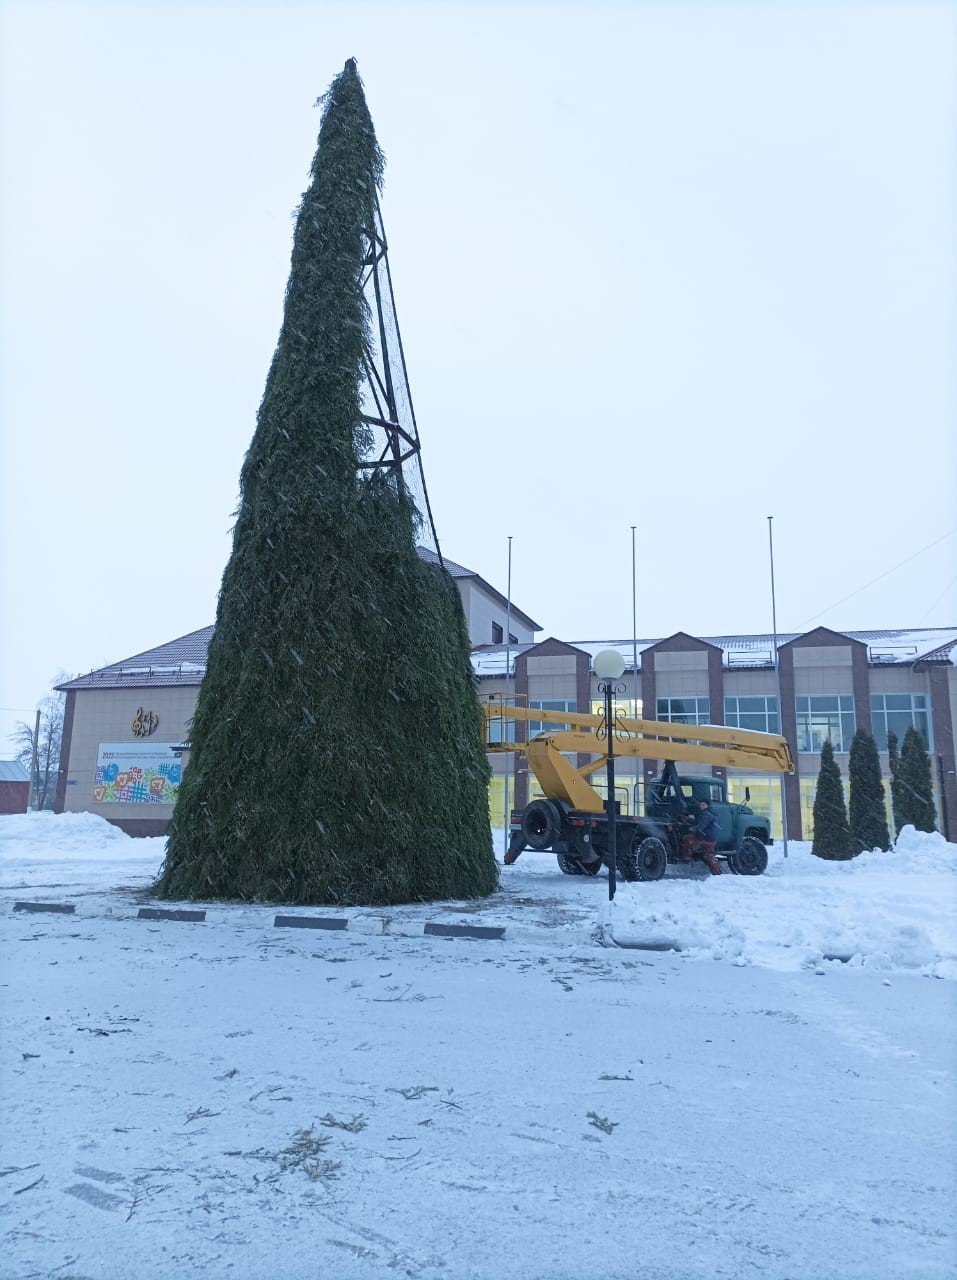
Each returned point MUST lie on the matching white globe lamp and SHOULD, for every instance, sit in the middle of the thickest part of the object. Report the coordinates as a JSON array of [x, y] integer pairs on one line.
[[608, 664]]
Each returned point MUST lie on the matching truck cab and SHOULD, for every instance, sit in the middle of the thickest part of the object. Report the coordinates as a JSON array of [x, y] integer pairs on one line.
[[673, 797]]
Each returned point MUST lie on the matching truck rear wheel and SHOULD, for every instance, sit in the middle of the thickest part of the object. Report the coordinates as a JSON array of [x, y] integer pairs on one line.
[[751, 859], [628, 860], [572, 866], [541, 824]]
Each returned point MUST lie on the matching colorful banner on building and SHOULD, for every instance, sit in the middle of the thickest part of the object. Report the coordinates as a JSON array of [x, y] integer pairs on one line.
[[136, 773]]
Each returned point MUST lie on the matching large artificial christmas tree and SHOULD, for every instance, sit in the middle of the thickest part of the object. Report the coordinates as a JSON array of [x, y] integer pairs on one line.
[[336, 753], [914, 784], [832, 837], [867, 816]]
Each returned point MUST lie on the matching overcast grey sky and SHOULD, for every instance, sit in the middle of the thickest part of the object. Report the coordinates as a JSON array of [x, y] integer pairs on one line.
[[680, 266]]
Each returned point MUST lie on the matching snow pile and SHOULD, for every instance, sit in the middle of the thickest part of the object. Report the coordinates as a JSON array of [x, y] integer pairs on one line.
[[60, 837], [914, 852], [881, 911]]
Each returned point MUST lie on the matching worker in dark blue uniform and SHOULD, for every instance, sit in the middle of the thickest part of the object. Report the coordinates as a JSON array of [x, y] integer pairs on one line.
[[701, 841]]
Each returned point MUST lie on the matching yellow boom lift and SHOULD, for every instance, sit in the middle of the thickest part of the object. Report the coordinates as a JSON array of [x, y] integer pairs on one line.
[[571, 818]]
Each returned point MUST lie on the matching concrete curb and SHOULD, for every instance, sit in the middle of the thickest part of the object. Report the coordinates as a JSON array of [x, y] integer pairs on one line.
[[380, 926], [60, 908], [160, 913]]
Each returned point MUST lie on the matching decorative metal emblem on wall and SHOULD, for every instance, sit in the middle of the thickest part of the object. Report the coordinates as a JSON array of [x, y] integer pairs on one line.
[[144, 723]]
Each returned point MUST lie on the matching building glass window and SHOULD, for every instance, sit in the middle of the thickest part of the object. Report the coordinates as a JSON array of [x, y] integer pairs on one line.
[[685, 710], [498, 635], [497, 800], [544, 726], [762, 794], [822, 717], [807, 791], [759, 713], [620, 710], [896, 713], [624, 794]]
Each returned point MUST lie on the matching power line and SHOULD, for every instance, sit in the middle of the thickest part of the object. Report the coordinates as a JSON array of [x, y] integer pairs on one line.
[[880, 577], [934, 603]]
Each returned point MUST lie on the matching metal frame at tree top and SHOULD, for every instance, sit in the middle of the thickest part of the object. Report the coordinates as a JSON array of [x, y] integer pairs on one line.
[[398, 450]]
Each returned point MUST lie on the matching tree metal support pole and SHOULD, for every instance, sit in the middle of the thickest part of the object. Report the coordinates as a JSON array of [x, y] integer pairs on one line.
[[777, 673]]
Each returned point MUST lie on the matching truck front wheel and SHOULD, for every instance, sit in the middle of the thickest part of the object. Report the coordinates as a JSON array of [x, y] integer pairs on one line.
[[751, 859]]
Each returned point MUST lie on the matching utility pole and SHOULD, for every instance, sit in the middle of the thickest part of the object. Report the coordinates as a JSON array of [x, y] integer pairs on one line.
[[35, 764]]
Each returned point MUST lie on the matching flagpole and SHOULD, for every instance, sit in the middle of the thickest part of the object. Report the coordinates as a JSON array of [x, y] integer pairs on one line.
[[777, 672]]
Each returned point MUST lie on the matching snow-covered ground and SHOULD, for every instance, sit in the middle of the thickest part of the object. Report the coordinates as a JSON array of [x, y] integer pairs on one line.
[[238, 1100]]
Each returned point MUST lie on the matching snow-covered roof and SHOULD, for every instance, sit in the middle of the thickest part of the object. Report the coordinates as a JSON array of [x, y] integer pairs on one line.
[[459, 571], [944, 653], [183, 661], [179, 662], [901, 647], [13, 771], [456, 570]]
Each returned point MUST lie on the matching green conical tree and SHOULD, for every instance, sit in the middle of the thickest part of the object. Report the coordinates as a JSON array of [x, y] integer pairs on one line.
[[832, 837], [336, 749], [866, 813], [893, 764], [914, 780]]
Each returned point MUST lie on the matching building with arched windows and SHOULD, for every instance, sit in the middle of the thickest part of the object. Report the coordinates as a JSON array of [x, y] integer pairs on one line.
[[126, 727], [831, 684]]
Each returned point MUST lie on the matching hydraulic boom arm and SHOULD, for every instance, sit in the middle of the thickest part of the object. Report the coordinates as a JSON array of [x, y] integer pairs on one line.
[[560, 779]]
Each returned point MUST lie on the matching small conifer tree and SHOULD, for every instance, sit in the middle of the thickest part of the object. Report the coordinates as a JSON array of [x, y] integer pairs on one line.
[[832, 837], [893, 764], [866, 813], [916, 788], [336, 752]]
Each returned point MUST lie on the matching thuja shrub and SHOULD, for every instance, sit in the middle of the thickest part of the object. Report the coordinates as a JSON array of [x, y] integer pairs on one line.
[[867, 816], [832, 837], [336, 753], [914, 785]]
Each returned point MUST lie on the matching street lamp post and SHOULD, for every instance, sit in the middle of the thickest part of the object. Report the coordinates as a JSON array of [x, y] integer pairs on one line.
[[608, 666]]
